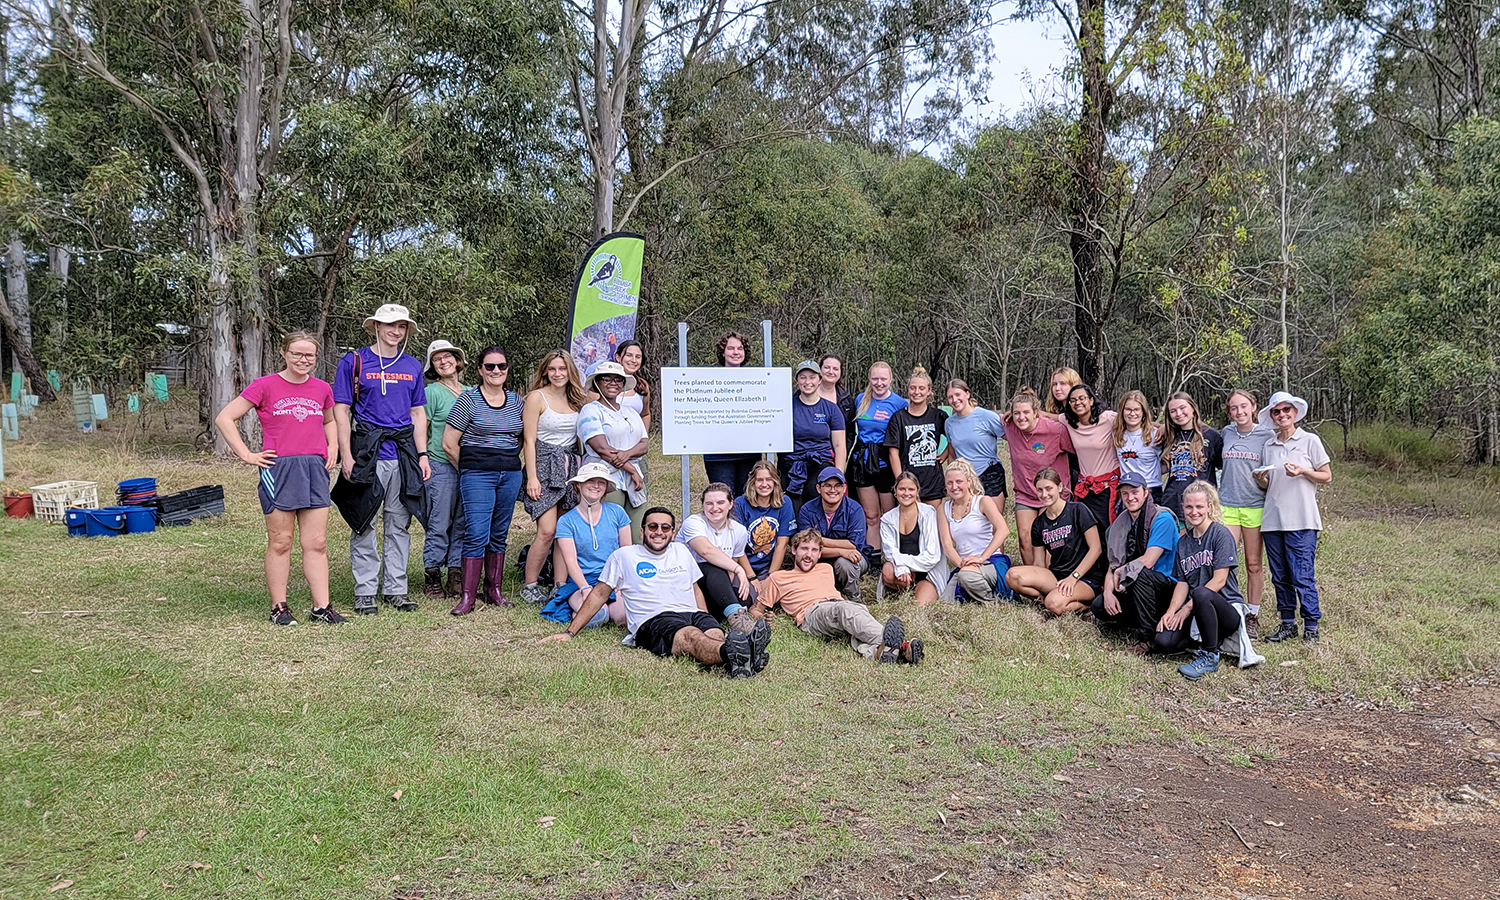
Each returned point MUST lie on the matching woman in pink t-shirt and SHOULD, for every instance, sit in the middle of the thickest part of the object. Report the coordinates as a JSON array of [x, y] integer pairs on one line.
[[1036, 443], [1092, 428], [299, 447]]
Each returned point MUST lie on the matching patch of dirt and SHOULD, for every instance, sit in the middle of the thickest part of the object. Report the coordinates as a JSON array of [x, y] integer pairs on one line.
[[1338, 801]]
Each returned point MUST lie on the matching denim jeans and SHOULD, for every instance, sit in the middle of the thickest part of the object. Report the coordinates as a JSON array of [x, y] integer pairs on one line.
[[489, 503], [443, 543], [1290, 555]]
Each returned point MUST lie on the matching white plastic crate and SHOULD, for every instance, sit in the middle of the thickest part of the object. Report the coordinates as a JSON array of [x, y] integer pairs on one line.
[[51, 501]]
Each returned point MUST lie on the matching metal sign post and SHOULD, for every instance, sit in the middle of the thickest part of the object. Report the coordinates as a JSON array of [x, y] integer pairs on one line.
[[682, 360]]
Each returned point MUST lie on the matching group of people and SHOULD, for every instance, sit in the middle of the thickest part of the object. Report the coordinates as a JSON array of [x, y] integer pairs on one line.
[[1136, 524]]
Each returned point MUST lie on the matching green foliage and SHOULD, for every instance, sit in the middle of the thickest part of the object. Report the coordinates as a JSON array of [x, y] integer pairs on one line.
[[1399, 448]]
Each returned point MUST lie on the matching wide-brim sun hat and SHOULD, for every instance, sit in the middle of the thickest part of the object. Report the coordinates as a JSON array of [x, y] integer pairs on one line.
[[390, 314], [442, 346], [590, 471], [1279, 398], [609, 368]]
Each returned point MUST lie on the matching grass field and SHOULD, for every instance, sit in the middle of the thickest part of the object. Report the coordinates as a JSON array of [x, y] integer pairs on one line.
[[158, 737]]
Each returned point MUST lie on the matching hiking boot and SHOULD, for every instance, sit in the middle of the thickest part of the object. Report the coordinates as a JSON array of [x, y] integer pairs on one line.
[[1310, 635], [760, 646], [1252, 626], [327, 615], [282, 615], [364, 605], [892, 638], [432, 582], [912, 652], [455, 583], [534, 593], [740, 621], [1206, 662], [1286, 632], [737, 655], [401, 602]]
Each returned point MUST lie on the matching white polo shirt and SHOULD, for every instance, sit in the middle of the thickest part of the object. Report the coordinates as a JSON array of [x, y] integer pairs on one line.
[[1292, 502]]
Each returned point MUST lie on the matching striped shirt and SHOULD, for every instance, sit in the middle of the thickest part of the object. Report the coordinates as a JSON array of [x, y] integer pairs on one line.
[[483, 425]]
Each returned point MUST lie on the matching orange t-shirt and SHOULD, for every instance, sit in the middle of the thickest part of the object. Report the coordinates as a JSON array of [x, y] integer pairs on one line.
[[797, 591]]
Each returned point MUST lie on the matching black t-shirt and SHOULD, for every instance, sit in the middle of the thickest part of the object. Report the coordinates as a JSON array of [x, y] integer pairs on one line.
[[916, 440], [1179, 470], [1065, 541]]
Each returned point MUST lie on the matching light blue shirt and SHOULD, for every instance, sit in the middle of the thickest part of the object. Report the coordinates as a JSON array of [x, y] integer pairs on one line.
[[975, 437]]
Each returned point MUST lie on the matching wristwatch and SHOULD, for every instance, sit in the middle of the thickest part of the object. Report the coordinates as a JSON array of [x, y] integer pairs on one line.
[[1076, 576]]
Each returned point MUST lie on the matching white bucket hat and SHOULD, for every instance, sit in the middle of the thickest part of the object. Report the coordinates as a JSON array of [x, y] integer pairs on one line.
[[1279, 398], [609, 368], [590, 471], [390, 314], [442, 346]]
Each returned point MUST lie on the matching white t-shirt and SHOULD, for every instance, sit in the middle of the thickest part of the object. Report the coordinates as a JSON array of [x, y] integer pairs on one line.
[[649, 584], [731, 539]]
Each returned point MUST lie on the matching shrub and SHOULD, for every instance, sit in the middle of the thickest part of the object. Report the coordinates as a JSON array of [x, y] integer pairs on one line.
[[1400, 448]]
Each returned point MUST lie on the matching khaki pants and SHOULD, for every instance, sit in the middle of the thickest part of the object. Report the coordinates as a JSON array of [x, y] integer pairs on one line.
[[845, 618]]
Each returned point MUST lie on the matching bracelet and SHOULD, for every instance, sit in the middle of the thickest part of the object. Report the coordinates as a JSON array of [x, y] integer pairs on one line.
[[422, 454]]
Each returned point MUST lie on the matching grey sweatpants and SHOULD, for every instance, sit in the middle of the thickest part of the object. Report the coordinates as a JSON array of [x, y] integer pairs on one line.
[[365, 556], [845, 618]]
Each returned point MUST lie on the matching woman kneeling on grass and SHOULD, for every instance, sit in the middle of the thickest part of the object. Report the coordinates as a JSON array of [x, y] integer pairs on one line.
[[1207, 585], [1070, 553], [299, 448], [909, 534]]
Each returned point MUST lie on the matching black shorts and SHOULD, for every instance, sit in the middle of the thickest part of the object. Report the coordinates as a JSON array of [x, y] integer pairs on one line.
[[884, 481], [294, 483], [657, 633], [993, 480]]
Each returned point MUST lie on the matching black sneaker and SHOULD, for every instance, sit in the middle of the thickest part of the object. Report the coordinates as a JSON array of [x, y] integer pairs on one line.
[[736, 653], [1286, 632], [327, 615], [402, 602], [365, 605], [281, 615], [1309, 635], [760, 646], [912, 653], [892, 638]]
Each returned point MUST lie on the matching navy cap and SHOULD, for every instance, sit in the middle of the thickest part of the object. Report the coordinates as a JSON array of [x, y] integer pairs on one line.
[[1133, 480], [831, 472]]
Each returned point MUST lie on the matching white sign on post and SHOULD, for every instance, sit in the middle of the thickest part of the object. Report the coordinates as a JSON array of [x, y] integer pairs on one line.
[[713, 409]]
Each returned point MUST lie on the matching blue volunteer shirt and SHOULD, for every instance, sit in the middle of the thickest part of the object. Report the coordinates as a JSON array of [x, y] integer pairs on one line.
[[765, 525]]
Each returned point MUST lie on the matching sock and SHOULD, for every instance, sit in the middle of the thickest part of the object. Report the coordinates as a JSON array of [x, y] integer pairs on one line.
[[731, 609], [1254, 610]]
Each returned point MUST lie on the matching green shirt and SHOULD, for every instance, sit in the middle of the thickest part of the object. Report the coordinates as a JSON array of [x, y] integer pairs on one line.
[[440, 402]]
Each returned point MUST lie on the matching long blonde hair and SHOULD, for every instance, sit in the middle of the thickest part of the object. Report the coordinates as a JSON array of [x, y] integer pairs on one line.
[[776, 495], [1071, 377], [1211, 494], [976, 487], [869, 394], [576, 398], [1149, 433]]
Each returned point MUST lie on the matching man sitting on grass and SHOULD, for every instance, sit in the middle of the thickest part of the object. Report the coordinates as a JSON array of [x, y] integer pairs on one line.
[[841, 523], [807, 591], [664, 608], [1141, 547]]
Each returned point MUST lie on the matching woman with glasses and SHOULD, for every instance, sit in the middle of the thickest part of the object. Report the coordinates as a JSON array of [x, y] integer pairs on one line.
[[483, 441], [614, 436], [1296, 462], [299, 447], [443, 540]]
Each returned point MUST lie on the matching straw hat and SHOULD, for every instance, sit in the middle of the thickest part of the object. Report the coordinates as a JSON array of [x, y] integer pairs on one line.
[[390, 314], [442, 346], [609, 368]]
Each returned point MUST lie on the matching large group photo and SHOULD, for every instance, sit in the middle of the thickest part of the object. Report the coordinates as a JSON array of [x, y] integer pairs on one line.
[[466, 449]]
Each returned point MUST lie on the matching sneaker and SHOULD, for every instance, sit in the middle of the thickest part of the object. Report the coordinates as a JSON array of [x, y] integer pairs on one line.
[[364, 605], [1286, 632], [737, 656], [892, 638], [1310, 635], [534, 593], [760, 646], [912, 652], [401, 602], [1252, 626], [281, 615], [1204, 663], [327, 615]]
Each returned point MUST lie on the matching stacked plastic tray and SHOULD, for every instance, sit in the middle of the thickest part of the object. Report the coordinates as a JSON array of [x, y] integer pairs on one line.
[[190, 505]]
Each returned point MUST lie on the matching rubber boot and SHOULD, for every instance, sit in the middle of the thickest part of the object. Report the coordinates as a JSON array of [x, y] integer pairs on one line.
[[455, 582], [432, 583], [469, 591], [494, 570]]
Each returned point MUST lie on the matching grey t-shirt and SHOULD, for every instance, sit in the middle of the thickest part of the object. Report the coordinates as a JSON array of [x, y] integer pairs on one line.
[[1242, 455], [1292, 502], [1197, 558]]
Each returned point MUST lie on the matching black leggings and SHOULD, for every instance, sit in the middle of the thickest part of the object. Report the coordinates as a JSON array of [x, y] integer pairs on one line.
[[1216, 617], [718, 589]]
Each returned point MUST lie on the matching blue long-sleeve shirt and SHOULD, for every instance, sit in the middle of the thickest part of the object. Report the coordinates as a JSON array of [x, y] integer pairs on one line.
[[847, 523]]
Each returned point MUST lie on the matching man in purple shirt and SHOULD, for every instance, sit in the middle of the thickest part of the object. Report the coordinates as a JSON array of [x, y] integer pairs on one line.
[[378, 392], [841, 522]]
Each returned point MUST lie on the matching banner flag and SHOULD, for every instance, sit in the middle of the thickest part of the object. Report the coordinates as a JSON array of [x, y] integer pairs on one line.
[[606, 299]]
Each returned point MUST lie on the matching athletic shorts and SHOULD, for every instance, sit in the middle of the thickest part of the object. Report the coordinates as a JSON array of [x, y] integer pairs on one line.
[[294, 483], [884, 481], [993, 480], [657, 633], [1243, 516]]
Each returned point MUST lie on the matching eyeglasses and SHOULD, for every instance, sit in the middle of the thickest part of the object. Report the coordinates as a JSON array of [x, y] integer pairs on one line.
[[303, 356], [1284, 411], [658, 526], [610, 379], [494, 367]]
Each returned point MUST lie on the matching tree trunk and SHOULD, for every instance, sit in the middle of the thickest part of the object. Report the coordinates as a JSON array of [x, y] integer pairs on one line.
[[20, 344], [221, 385], [57, 267], [18, 291], [1089, 194]]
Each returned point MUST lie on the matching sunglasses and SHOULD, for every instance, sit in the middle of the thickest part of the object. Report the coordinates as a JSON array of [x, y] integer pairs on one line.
[[494, 367], [1284, 411], [657, 526]]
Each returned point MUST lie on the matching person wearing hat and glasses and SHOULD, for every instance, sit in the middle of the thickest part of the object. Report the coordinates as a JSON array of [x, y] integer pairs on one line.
[[817, 437], [841, 523], [614, 436], [1295, 463], [586, 536], [444, 539], [380, 410]]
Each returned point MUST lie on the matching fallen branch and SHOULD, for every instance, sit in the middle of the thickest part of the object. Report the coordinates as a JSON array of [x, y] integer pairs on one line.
[[1240, 836]]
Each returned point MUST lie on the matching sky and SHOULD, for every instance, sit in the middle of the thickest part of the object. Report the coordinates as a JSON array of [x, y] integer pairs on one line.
[[1026, 65]]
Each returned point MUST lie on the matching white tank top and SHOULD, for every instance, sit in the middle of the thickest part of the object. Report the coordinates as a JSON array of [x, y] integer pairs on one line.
[[633, 400], [560, 429], [971, 534]]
